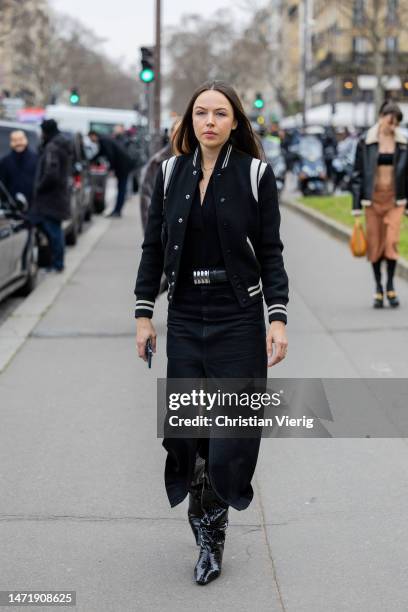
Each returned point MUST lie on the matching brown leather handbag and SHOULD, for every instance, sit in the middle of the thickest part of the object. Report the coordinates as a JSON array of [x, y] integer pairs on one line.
[[358, 241]]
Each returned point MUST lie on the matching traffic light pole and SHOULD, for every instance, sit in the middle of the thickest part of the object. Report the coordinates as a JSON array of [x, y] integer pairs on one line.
[[157, 82]]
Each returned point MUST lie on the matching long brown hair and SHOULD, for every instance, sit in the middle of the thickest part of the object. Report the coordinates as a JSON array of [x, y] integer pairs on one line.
[[242, 138]]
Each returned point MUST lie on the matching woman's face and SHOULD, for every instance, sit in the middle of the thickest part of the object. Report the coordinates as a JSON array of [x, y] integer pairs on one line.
[[388, 123], [213, 118]]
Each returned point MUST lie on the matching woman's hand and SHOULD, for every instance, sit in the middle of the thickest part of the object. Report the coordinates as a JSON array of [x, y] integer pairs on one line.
[[144, 330], [277, 336]]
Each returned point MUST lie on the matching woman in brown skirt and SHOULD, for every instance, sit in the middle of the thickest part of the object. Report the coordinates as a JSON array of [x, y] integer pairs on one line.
[[379, 184]]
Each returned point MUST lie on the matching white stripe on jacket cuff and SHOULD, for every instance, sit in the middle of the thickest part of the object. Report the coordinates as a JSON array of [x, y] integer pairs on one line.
[[141, 307], [276, 306], [138, 302]]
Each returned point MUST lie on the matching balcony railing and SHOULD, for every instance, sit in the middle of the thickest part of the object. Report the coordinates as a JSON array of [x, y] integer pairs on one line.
[[355, 63]]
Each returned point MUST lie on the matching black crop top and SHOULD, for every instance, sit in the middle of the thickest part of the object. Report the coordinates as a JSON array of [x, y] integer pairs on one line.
[[385, 159]]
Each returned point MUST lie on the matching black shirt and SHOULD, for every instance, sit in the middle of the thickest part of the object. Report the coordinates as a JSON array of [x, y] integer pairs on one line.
[[385, 159], [202, 248]]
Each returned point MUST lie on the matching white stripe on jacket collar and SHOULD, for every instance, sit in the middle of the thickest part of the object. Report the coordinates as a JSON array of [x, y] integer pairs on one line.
[[372, 135], [224, 163]]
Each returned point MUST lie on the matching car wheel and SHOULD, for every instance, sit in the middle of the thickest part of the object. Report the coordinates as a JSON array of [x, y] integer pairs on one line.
[[32, 272], [88, 213], [71, 237], [99, 206]]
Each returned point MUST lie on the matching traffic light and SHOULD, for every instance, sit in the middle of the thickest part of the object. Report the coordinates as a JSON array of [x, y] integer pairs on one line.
[[405, 87], [348, 87], [147, 72], [74, 97], [259, 102]]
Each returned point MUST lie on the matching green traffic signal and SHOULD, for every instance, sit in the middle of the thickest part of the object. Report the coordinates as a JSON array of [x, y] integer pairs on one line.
[[146, 75], [259, 103], [74, 97]]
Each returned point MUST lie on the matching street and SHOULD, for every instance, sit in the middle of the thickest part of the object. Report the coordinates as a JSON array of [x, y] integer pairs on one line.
[[83, 504]]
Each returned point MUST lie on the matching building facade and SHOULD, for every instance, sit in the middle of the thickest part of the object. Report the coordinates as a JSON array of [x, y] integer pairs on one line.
[[24, 34]]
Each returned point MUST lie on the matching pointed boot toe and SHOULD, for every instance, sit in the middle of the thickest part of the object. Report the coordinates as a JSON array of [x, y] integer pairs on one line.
[[201, 568], [213, 526], [213, 569]]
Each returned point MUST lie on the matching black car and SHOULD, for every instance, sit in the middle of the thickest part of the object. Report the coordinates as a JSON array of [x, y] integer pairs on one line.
[[18, 247]]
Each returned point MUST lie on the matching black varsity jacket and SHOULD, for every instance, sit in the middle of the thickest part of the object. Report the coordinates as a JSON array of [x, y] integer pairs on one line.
[[248, 231]]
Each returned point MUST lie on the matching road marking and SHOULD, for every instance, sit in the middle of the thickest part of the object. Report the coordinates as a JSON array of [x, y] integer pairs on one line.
[[19, 324]]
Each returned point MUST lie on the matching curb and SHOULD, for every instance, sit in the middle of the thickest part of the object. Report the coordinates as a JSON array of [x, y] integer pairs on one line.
[[335, 229], [19, 324]]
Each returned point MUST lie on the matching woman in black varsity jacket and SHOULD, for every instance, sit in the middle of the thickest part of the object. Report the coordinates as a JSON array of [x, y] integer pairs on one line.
[[213, 227]]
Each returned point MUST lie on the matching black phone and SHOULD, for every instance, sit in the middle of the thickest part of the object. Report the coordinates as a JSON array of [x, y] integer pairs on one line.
[[149, 352]]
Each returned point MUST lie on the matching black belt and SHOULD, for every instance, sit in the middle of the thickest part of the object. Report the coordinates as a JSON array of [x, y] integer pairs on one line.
[[209, 276]]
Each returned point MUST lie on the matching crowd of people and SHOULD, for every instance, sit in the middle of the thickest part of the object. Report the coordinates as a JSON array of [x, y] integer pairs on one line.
[[44, 177]]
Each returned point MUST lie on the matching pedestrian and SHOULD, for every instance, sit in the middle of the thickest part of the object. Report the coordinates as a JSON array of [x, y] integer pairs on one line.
[[51, 202], [18, 168], [216, 244], [120, 162], [379, 186], [119, 135], [149, 173], [147, 179], [329, 150]]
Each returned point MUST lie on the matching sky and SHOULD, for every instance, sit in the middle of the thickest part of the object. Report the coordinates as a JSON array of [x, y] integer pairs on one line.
[[129, 24]]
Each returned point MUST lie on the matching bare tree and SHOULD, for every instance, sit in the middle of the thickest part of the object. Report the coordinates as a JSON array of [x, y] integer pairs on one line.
[[51, 53], [200, 49]]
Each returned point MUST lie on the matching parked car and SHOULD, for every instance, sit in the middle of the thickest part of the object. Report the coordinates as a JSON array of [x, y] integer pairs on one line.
[[99, 176], [81, 190], [99, 172], [18, 246]]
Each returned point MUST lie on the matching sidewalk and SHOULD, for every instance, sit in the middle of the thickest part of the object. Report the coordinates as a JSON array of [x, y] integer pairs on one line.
[[82, 500]]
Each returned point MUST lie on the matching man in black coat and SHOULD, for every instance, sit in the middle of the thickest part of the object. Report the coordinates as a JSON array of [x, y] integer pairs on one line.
[[120, 162], [51, 203], [18, 168]]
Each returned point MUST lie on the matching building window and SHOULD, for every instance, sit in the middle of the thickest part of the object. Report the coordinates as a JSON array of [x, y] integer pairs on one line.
[[292, 11], [391, 44], [359, 7], [360, 45], [392, 11]]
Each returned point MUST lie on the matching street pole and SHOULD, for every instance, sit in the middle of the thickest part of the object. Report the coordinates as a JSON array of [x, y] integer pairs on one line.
[[305, 63], [157, 82]]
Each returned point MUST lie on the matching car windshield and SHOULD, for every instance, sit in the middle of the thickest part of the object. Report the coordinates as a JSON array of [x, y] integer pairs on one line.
[[310, 148]]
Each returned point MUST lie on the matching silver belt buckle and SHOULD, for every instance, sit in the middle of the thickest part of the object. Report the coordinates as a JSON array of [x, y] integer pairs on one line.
[[201, 277]]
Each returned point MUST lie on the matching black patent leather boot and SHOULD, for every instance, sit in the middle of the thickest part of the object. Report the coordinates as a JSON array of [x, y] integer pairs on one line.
[[213, 527], [195, 511]]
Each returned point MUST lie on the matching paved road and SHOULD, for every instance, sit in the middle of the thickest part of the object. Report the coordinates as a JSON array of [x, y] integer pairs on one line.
[[82, 502]]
